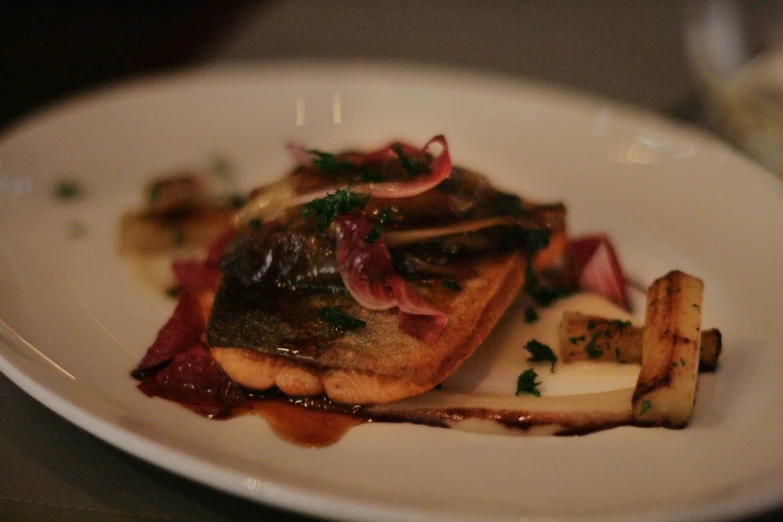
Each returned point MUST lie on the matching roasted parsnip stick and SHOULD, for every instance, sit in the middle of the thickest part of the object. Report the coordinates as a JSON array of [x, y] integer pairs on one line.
[[671, 338], [588, 337]]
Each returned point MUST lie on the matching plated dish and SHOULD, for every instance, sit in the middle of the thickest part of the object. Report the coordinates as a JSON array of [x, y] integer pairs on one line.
[[660, 191]]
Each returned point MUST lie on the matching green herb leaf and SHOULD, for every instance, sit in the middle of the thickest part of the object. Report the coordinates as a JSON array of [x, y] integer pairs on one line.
[[237, 200], [375, 233], [450, 284], [254, 224], [154, 194], [576, 340], [221, 166], [526, 383], [621, 324], [330, 164], [339, 320], [326, 209], [412, 166], [590, 348], [541, 352], [646, 405], [531, 316], [77, 229], [68, 189], [590, 324]]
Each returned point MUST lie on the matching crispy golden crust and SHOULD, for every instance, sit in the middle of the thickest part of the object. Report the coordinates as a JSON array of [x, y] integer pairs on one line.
[[379, 363]]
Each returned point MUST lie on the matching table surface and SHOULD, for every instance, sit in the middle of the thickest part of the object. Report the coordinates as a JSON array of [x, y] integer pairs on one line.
[[630, 51]]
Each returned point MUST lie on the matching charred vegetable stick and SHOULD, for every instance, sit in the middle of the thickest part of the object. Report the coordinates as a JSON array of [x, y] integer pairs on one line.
[[588, 337], [671, 338]]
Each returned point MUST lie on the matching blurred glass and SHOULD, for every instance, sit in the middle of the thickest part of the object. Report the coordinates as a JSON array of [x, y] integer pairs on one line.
[[735, 49]]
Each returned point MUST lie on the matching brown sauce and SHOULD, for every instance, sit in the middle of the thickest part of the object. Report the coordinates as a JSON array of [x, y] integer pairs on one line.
[[302, 426]]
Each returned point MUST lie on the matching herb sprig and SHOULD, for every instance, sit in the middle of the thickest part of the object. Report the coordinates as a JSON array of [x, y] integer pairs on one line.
[[375, 233], [541, 352], [339, 320], [326, 209], [412, 166], [526, 383], [329, 163]]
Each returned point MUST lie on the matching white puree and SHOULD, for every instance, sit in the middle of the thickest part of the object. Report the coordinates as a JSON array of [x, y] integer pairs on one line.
[[494, 368]]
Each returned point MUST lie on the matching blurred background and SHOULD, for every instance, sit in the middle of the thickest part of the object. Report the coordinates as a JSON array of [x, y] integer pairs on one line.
[[666, 56], [627, 50]]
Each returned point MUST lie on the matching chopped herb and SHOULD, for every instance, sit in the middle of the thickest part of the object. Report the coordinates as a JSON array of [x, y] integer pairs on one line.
[[508, 205], [221, 166], [178, 238], [254, 224], [173, 291], [621, 324], [577, 340], [682, 361], [340, 320], [450, 284], [69, 189], [608, 334], [326, 209], [371, 173], [531, 316], [77, 229], [591, 350], [237, 200], [541, 352], [330, 164], [413, 166], [646, 405], [526, 383], [591, 324], [617, 353], [375, 233], [697, 307], [154, 194]]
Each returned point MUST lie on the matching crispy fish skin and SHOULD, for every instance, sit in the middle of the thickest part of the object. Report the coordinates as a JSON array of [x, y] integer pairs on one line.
[[374, 364]]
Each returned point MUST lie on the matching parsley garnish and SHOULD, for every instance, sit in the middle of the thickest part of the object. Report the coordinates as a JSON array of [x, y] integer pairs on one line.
[[541, 352], [326, 209], [412, 166], [221, 166], [526, 383], [69, 190], [340, 320], [154, 194], [621, 324], [329, 164], [254, 224], [531, 316], [646, 405], [450, 284], [576, 340], [178, 239], [375, 233], [590, 349], [77, 229], [237, 200], [590, 324]]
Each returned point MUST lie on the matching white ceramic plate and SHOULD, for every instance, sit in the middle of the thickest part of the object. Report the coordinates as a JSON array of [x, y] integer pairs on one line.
[[75, 320]]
